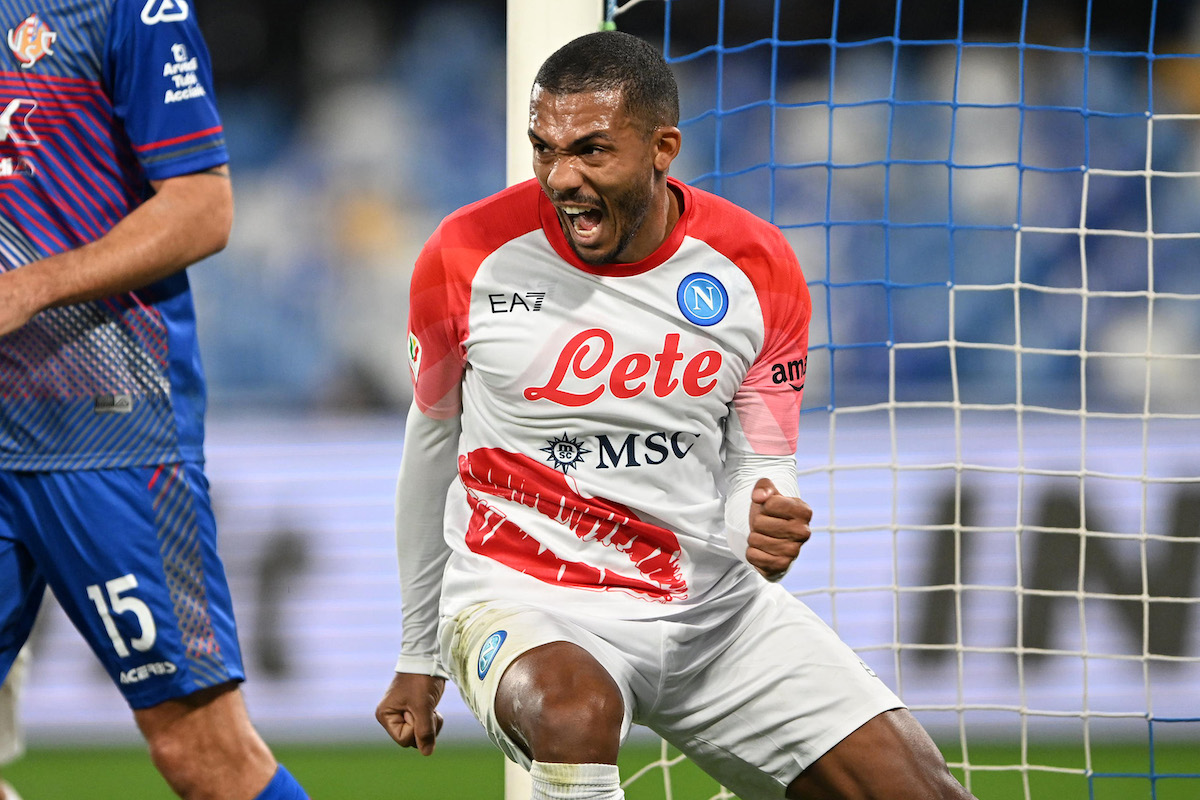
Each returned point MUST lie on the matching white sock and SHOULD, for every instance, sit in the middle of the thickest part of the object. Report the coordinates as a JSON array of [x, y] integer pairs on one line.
[[9, 792], [575, 782]]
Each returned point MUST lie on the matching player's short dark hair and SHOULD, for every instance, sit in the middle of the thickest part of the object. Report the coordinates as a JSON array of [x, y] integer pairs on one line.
[[606, 60]]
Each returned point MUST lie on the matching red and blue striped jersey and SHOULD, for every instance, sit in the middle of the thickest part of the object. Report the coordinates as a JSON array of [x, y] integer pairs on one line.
[[97, 99]]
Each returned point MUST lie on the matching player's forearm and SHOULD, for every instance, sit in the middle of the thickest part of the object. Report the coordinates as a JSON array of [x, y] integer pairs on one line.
[[742, 471], [188, 218], [427, 467]]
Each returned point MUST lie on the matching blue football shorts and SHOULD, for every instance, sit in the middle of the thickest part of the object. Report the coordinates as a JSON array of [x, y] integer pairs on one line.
[[131, 556]]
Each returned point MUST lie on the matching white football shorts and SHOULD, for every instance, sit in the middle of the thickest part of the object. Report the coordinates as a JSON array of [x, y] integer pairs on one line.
[[753, 696]]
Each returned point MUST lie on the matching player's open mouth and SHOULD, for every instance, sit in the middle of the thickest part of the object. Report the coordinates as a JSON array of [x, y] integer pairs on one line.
[[584, 222]]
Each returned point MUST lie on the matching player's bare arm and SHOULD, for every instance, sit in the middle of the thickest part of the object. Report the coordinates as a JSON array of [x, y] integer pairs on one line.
[[188, 218], [778, 529], [408, 710]]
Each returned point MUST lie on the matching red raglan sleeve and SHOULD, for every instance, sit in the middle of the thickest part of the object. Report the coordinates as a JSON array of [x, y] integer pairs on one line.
[[768, 402], [439, 299]]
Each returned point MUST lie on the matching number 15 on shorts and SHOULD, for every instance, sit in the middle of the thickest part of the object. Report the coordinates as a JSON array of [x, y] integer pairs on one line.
[[113, 599]]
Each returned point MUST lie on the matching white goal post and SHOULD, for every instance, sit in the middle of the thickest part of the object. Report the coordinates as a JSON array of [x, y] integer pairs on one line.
[[535, 29]]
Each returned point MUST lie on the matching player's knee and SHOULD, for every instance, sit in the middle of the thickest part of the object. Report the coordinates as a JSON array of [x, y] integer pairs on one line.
[[579, 728], [572, 713], [204, 743], [174, 758], [586, 704]]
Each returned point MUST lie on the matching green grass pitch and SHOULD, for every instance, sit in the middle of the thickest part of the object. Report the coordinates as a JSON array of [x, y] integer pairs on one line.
[[467, 770]]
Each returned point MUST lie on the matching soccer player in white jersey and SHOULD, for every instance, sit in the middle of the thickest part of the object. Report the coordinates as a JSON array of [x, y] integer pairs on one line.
[[598, 489]]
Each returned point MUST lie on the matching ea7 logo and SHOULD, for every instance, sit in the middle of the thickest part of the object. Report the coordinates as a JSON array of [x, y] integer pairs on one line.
[[505, 303], [156, 11]]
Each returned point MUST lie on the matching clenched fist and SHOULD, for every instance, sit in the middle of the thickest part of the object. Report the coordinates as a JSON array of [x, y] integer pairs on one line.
[[408, 710], [778, 528]]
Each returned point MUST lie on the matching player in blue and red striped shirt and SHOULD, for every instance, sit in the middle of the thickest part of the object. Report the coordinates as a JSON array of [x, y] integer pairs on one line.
[[113, 179]]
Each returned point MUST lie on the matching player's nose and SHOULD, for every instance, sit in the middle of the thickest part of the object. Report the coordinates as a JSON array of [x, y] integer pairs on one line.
[[564, 176]]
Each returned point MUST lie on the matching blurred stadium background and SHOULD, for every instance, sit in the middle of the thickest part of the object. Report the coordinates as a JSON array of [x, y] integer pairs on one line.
[[355, 125]]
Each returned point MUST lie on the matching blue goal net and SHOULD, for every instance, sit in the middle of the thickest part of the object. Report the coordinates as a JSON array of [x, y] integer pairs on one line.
[[997, 206]]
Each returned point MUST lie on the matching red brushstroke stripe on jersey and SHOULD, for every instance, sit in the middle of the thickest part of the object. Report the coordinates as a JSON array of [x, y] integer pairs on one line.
[[652, 550], [141, 148]]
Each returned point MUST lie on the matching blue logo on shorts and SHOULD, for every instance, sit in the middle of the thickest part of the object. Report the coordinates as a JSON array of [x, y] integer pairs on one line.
[[702, 299], [487, 653]]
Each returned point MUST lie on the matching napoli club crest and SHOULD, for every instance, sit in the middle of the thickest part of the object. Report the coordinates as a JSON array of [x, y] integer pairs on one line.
[[487, 653], [702, 299], [31, 41]]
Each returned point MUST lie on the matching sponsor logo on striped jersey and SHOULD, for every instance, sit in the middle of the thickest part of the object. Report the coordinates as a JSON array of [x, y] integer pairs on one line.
[[156, 11], [31, 41]]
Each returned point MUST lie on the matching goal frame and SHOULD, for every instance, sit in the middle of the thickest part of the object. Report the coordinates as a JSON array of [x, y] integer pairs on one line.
[[534, 29], [950, 591]]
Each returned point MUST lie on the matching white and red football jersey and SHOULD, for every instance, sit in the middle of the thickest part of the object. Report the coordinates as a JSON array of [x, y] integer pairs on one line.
[[597, 402]]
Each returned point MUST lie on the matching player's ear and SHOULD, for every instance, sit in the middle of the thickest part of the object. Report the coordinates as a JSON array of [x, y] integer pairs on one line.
[[667, 141]]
